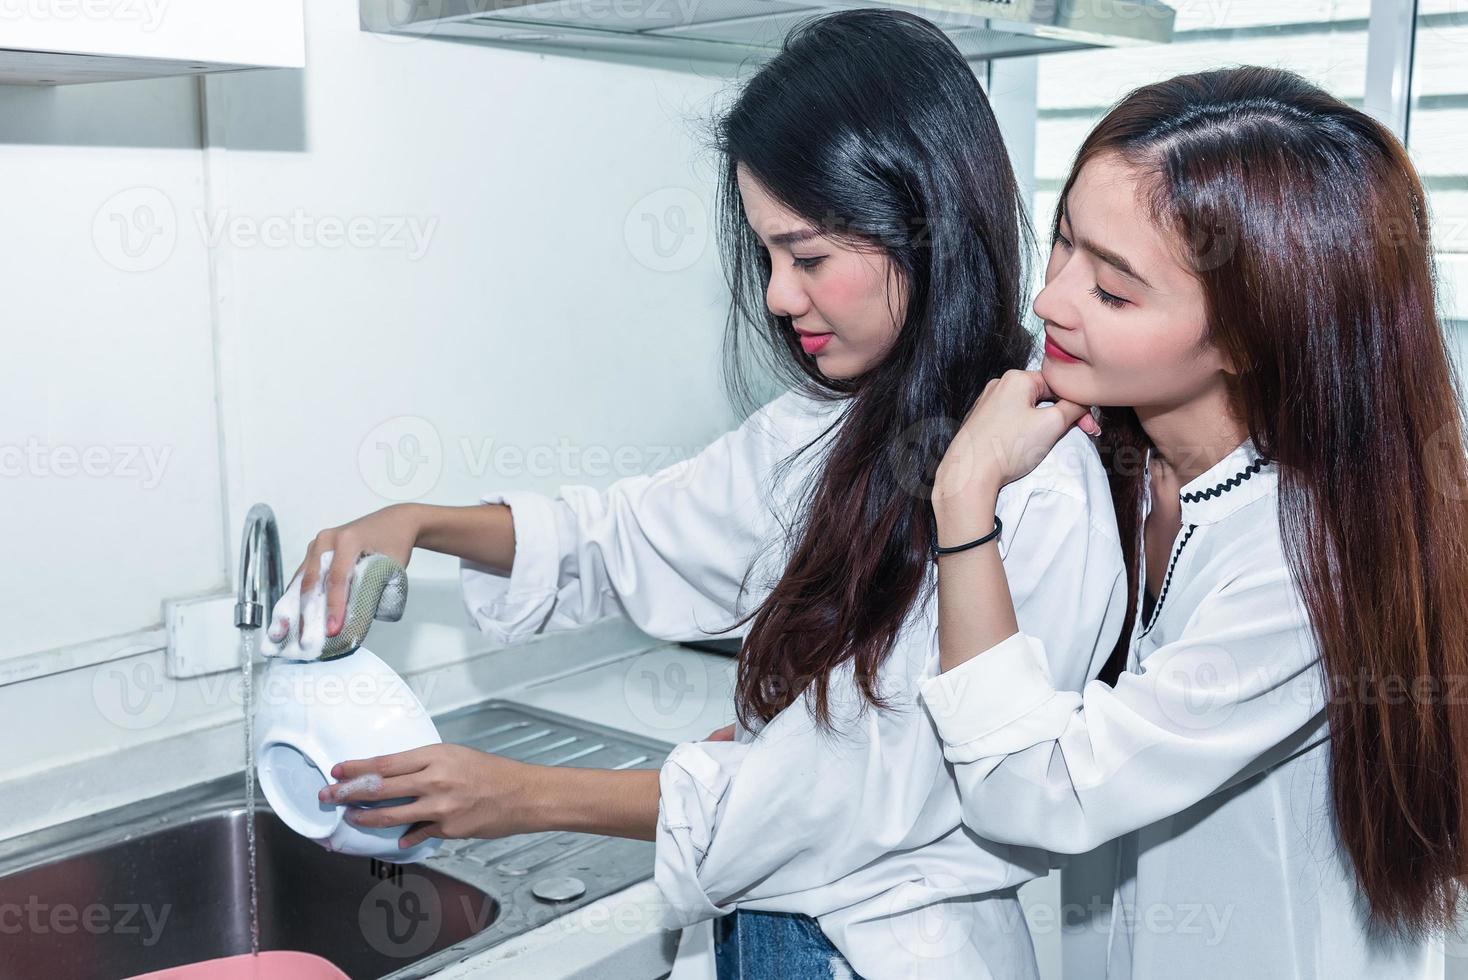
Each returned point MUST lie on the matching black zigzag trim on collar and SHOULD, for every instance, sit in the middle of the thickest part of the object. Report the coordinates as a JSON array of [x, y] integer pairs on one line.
[[1236, 480], [1167, 580]]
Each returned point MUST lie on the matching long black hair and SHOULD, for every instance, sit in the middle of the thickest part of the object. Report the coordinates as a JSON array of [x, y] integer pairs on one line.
[[869, 125]]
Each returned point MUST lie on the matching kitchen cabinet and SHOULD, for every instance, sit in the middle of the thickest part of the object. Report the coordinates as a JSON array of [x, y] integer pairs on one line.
[[56, 42]]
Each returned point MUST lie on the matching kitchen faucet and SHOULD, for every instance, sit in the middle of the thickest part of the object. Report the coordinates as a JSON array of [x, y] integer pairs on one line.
[[260, 571]]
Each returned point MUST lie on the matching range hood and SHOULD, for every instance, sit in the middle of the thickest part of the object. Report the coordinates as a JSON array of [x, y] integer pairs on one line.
[[739, 31]]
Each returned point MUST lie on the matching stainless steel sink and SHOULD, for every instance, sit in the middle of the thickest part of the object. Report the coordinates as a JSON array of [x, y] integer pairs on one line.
[[164, 881]]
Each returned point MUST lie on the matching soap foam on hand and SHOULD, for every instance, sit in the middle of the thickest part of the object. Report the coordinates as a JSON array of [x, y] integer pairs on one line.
[[368, 782], [378, 589], [282, 639]]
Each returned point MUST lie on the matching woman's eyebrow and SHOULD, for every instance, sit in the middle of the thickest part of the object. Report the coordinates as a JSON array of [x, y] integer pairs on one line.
[[1113, 259], [794, 237]]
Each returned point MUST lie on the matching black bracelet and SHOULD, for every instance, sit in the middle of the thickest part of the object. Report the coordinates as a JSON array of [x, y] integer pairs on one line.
[[998, 525]]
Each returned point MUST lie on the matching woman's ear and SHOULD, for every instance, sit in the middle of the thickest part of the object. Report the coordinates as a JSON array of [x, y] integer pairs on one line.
[[896, 293], [1224, 360]]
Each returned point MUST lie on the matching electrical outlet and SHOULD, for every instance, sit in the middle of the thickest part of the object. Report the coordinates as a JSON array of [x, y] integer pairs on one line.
[[202, 638]]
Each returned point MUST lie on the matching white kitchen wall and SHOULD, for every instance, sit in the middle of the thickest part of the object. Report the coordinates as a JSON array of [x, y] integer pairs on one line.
[[419, 269], [326, 290], [103, 365], [508, 293]]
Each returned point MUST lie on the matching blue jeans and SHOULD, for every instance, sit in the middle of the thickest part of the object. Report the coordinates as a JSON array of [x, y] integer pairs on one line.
[[775, 946]]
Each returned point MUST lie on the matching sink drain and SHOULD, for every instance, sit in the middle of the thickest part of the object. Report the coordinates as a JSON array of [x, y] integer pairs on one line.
[[558, 889]]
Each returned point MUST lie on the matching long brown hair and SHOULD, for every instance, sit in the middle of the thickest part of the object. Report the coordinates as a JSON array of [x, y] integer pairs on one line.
[[831, 128], [1307, 227]]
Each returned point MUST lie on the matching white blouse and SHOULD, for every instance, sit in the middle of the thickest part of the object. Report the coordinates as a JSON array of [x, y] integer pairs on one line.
[[863, 830], [1209, 760]]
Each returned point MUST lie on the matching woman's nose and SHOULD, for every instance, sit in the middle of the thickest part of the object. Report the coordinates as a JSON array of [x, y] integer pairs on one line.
[[1054, 305], [784, 296]]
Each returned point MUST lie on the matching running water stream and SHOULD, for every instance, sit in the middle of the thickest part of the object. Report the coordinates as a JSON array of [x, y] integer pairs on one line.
[[247, 678]]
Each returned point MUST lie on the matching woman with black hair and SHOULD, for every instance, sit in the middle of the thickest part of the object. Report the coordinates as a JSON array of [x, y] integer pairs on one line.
[[873, 236]]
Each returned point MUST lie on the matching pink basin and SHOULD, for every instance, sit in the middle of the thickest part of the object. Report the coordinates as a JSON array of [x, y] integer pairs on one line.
[[272, 965]]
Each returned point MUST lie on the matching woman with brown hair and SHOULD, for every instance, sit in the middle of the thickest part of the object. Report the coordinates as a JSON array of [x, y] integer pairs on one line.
[[1240, 279]]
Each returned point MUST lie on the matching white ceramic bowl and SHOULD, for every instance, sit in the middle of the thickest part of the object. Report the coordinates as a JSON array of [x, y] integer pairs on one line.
[[310, 715]]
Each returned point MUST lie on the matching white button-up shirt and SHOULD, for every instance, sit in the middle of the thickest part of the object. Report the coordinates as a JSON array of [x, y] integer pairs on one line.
[[860, 829], [1209, 760]]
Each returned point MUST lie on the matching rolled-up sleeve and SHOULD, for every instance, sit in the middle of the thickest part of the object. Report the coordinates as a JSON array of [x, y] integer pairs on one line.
[[668, 550], [1067, 771], [510, 607], [772, 822], [1002, 707], [692, 786]]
